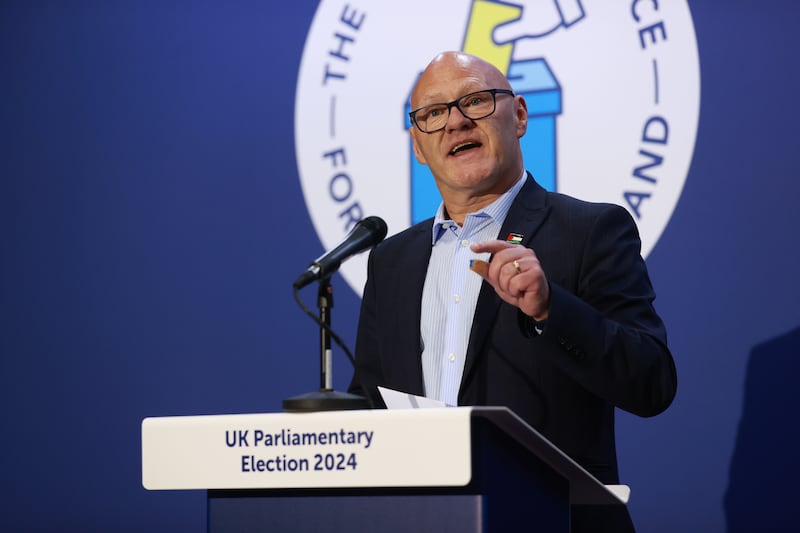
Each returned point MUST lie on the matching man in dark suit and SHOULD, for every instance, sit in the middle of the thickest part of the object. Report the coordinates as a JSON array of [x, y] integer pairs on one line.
[[560, 327]]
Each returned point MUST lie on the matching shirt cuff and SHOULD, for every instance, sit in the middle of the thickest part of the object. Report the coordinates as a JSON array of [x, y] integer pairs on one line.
[[530, 327]]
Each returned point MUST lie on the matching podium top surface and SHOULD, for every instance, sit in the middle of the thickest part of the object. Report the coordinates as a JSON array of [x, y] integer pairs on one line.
[[340, 449]]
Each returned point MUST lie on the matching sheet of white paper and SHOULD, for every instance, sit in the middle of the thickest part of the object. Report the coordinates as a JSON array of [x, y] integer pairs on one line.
[[623, 492], [402, 400]]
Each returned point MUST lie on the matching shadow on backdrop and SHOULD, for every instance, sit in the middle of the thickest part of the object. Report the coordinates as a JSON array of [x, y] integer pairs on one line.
[[765, 466]]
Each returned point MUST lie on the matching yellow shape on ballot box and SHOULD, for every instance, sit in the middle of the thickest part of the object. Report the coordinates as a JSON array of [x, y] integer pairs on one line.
[[485, 17]]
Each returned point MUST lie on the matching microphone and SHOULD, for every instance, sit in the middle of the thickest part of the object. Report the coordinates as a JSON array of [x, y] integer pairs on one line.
[[365, 234]]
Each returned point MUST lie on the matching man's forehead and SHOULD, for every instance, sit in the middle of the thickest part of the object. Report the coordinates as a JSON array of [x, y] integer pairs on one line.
[[451, 75], [444, 90]]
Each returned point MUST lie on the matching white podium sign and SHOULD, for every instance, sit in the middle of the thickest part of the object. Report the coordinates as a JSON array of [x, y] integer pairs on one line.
[[371, 448]]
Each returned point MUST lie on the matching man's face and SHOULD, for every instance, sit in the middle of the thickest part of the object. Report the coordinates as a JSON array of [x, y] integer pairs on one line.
[[470, 157]]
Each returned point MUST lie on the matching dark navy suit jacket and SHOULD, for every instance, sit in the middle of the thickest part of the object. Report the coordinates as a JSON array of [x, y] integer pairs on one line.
[[603, 345]]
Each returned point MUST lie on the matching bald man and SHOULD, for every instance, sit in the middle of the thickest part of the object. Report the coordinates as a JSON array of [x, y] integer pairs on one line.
[[559, 326]]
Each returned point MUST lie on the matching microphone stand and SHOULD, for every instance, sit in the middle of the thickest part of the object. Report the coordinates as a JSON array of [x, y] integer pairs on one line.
[[326, 399]]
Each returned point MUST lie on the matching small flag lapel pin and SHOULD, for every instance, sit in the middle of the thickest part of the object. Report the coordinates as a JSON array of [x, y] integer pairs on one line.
[[514, 238]]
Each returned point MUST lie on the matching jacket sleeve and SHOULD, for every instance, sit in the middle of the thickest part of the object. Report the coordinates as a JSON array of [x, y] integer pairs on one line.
[[604, 331]]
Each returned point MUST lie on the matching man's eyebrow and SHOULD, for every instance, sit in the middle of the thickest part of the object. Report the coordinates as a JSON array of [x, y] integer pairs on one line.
[[439, 98], [428, 99]]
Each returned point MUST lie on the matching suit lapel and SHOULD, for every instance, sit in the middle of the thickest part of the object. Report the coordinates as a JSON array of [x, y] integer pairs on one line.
[[525, 216], [407, 358]]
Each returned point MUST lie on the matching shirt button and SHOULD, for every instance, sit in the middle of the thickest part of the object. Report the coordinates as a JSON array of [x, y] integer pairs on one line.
[[451, 357], [465, 242], [456, 298]]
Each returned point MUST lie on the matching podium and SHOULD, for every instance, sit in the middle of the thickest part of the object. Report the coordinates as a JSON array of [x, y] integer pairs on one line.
[[450, 469]]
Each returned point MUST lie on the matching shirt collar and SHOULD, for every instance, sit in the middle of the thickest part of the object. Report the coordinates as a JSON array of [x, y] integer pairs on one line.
[[497, 210]]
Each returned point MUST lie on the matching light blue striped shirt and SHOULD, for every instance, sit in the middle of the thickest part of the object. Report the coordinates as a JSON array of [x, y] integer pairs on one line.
[[451, 294]]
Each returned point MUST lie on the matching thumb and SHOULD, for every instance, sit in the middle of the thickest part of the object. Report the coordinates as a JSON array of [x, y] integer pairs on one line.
[[506, 33]]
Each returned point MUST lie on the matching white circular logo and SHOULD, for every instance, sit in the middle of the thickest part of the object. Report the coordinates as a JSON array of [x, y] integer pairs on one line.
[[613, 94]]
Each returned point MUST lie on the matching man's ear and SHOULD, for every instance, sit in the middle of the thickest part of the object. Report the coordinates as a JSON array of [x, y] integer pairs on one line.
[[521, 112], [413, 131]]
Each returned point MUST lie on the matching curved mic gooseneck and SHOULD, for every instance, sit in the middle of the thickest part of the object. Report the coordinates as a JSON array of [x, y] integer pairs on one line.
[[366, 234]]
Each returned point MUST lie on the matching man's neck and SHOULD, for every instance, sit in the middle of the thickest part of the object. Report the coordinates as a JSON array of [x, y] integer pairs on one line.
[[458, 204], [458, 211]]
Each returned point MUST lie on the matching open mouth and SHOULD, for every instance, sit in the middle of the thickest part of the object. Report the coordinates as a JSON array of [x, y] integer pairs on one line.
[[463, 147]]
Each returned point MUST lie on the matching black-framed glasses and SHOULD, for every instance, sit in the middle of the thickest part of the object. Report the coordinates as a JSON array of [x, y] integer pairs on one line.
[[432, 118]]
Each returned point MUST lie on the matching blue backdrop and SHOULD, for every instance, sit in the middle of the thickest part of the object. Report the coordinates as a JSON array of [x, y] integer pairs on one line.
[[153, 222]]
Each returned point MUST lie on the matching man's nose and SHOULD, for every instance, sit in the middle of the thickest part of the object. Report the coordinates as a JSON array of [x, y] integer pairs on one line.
[[456, 119]]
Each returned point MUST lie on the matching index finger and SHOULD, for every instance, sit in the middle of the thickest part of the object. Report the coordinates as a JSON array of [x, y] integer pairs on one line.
[[492, 246]]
